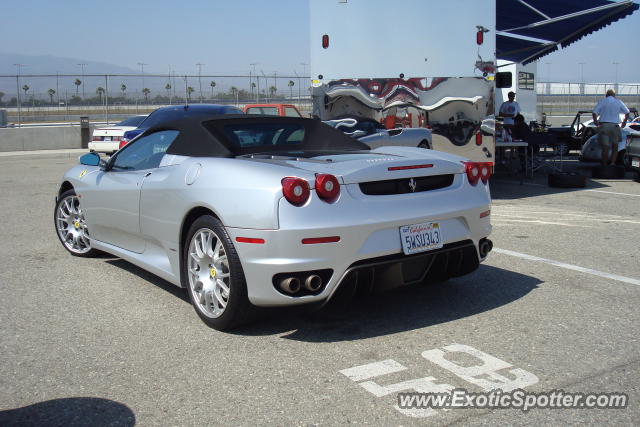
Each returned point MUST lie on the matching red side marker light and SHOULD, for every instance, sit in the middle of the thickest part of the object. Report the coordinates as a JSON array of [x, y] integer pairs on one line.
[[325, 41], [478, 138], [479, 37], [485, 214], [250, 240]]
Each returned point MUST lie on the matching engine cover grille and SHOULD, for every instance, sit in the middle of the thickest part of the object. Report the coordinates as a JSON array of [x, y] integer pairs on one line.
[[406, 185]]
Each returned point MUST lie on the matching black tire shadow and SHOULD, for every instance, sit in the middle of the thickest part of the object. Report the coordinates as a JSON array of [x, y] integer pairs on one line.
[[404, 309], [150, 277], [73, 411]]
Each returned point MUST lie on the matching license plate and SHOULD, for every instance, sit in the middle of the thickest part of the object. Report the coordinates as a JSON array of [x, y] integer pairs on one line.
[[421, 237], [107, 138], [635, 162]]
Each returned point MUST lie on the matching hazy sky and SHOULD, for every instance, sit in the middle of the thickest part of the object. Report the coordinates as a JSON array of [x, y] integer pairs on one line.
[[227, 36]]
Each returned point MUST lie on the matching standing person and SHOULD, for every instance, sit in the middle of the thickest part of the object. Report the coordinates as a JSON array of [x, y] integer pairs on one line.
[[509, 109], [609, 109]]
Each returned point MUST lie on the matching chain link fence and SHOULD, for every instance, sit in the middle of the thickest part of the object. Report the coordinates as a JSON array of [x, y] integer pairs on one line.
[[565, 99], [111, 98]]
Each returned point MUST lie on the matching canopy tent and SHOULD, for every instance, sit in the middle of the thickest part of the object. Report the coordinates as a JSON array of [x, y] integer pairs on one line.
[[530, 29]]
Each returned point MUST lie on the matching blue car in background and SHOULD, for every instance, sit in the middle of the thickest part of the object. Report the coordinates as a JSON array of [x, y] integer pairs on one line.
[[175, 112]]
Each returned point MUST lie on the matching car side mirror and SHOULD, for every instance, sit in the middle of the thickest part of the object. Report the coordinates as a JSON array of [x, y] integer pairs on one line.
[[92, 159]]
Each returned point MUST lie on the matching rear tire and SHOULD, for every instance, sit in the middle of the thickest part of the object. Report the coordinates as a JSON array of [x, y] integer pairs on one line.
[[213, 275], [566, 180]]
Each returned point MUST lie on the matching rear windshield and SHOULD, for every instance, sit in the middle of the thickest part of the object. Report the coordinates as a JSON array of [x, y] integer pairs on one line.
[[132, 121], [270, 134], [264, 134]]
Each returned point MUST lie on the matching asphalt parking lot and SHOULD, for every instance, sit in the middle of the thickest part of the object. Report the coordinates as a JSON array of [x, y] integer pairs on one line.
[[100, 341]]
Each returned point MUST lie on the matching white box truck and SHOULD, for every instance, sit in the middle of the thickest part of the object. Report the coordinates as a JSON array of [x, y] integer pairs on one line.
[[418, 63]]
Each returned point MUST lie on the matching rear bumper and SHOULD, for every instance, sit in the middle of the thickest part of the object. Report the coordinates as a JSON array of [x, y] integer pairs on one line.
[[104, 147], [369, 237]]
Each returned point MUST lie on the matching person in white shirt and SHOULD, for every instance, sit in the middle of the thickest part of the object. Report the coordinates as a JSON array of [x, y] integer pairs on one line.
[[609, 109], [509, 109]]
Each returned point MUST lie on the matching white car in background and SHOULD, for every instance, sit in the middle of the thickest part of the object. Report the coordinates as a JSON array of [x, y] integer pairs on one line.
[[107, 139], [592, 151]]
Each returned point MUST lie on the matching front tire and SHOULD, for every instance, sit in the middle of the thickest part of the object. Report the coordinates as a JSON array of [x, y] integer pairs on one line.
[[71, 226], [213, 275]]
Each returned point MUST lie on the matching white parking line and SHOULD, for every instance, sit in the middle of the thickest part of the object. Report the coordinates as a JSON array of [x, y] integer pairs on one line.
[[568, 266], [611, 192]]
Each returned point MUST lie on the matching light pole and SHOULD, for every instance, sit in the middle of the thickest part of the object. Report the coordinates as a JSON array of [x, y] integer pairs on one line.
[[19, 66], [581, 77], [304, 71], [253, 64], [82, 72], [142, 64], [199, 65]]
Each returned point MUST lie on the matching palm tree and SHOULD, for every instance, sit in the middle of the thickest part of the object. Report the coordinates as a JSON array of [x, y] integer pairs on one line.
[[100, 92], [272, 91], [1, 95], [146, 91], [190, 90], [291, 83], [234, 91], [51, 92], [212, 84], [168, 88], [77, 82], [123, 88], [25, 88]]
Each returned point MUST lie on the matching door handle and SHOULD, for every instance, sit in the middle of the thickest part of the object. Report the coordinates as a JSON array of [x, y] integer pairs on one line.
[[147, 174]]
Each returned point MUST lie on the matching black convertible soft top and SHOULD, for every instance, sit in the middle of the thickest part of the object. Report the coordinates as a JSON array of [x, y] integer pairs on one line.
[[236, 135]]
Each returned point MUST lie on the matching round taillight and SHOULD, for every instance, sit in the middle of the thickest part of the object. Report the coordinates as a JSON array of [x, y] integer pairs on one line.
[[295, 190], [327, 187]]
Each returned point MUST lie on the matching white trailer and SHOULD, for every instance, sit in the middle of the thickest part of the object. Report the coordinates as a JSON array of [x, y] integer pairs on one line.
[[520, 79], [409, 62]]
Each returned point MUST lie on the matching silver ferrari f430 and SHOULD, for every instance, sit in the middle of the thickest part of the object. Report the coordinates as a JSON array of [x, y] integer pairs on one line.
[[247, 211]]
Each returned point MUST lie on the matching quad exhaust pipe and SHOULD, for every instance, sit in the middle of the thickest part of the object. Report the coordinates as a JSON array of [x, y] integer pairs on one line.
[[292, 285], [313, 283], [484, 247]]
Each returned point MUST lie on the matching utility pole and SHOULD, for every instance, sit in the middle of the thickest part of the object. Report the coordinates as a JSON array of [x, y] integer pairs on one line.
[[253, 64], [199, 65], [18, 66], [582, 77], [304, 72], [83, 82], [142, 64], [616, 64]]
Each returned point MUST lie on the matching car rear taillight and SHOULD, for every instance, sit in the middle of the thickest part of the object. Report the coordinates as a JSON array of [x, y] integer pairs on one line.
[[327, 187], [477, 171], [295, 190], [123, 142]]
